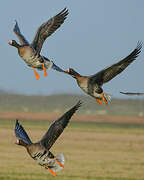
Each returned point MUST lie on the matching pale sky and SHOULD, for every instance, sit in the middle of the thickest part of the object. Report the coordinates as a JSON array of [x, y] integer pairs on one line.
[[96, 34]]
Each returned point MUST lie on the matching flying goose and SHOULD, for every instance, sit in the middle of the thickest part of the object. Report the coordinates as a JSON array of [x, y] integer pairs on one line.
[[92, 85], [30, 53], [40, 151]]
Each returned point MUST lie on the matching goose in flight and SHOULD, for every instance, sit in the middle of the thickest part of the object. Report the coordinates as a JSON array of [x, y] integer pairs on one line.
[[40, 151], [30, 52], [92, 85]]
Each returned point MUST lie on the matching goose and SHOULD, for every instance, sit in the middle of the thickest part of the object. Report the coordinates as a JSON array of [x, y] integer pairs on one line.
[[92, 85], [30, 53], [40, 151]]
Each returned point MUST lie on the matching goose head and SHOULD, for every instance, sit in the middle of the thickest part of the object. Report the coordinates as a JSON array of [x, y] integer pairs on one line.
[[21, 142], [14, 43], [72, 72]]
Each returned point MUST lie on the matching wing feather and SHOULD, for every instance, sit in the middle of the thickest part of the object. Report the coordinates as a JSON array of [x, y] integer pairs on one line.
[[21, 133], [21, 38], [110, 72], [57, 127], [47, 28], [132, 94]]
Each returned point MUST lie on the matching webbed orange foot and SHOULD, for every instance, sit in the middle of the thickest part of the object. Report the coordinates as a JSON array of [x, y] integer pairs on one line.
[[52, 172], [45, 73], [103, 98], [59, 163], [99, 101], [36, 74]]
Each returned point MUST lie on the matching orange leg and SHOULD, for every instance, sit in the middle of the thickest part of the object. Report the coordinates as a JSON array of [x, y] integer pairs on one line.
[[52, 172], [103, 98], [59, 163], [45, 73], [36, 74], [99, 101]]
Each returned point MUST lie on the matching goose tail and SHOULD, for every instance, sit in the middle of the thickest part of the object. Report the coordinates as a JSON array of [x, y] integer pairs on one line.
[[58, 164], [60, 158], [108, 97]]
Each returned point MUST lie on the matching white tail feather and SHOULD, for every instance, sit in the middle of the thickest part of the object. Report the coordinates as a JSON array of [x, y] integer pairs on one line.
[[57, 167], [108, 96], [48, 64], [61, 159]]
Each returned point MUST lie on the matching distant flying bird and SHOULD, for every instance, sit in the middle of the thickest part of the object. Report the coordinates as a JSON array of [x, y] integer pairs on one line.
[[132, 94], [92, 85], [30, 53], [39, 151]]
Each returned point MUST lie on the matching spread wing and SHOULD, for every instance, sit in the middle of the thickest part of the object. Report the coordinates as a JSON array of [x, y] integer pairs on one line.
[[47, 28], [132, 94], [21, 38], [57, 127], [21, 133], [110, 72]]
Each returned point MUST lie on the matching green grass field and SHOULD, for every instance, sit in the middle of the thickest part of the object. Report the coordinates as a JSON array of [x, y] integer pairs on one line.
[[94, 151]]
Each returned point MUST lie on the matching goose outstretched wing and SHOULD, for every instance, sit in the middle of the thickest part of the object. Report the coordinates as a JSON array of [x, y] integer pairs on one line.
[[47, 28], [110, 72], [21, 38], [57, 127], [132, 94], [21, 133]]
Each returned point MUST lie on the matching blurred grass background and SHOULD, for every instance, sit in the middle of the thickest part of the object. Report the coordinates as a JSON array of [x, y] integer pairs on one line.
[[100, 143], [60, 103]]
